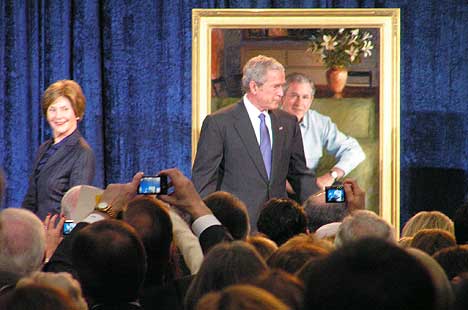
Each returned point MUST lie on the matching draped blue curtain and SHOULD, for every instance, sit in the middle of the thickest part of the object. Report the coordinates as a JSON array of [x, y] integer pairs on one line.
[[133, 60]]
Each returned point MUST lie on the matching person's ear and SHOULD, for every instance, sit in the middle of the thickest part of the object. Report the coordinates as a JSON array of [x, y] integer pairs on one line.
[[253, 87]]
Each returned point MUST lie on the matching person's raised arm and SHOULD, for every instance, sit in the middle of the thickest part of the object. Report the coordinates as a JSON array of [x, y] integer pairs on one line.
[[355, 196], [116, 198], [185, 197], [53, 225], [186, 242]]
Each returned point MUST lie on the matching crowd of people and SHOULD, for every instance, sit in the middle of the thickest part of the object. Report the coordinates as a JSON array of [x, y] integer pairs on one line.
[[180, 251], [251, 231]]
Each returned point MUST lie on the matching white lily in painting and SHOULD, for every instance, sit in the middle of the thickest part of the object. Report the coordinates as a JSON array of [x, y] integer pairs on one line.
[[353, 52], [341, 47], [367, 48], [329, 42], [366, 36]]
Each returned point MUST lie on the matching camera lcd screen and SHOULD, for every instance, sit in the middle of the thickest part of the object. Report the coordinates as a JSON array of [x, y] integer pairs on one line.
[[152, 185], [334, 194], [68, 227]]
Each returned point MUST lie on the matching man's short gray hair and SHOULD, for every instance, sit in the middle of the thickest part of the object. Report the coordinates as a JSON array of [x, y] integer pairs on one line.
[[362, 224], [301, 79], [256, 69], [22, 241]]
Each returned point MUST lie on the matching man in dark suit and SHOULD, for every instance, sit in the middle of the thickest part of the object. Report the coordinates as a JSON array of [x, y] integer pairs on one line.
[[237, 154]]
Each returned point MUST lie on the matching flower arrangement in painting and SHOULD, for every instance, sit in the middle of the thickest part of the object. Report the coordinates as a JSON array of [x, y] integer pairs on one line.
[[340, 48]]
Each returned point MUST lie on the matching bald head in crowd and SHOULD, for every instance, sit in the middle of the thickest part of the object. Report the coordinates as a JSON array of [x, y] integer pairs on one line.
[[363, 224], [22, 242]]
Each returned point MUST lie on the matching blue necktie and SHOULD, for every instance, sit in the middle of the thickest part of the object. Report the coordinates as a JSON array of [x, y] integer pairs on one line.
[[265, 145]]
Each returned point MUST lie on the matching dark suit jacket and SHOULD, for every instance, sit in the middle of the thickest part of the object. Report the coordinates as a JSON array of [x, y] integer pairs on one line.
[[72, 164], [213, 235], [229, 159]]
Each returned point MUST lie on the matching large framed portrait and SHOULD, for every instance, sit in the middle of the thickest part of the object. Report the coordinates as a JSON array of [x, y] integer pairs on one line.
[[368, 108]]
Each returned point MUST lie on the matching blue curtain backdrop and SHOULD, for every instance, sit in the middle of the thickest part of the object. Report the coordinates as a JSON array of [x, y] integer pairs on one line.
[[133, 60]]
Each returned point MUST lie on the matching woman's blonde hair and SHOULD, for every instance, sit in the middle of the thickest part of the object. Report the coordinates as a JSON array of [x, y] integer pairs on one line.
[[427, 220], [62, 282], [240, 297], [68, 89], [405, 242]]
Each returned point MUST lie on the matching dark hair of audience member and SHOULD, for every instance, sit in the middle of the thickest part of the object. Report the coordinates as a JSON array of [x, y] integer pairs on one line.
[[224, 265], [303, 273], [153, 225], [281, 219], [369, 274], [433, 240], [286, 287], [36, 297], [240, 297], [461, 294], [291, 258], [110, 261], [231, 212], [460, 221], [264, 246], [444, 296], [454, 260], [322, 214]]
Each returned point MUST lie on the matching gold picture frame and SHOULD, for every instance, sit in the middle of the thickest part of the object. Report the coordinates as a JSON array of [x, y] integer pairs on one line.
[[387, 21]]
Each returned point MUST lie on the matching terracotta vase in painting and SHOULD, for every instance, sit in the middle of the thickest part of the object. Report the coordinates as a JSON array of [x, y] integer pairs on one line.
[[336, 79]]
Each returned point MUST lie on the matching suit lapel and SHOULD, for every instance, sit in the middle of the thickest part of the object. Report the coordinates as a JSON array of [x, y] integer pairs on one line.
[[43, 149], [278, 141], [244, 128], [62, 151]]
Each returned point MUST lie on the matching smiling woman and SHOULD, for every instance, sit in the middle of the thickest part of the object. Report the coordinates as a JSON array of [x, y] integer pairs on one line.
[[66, 159], [62, 118]]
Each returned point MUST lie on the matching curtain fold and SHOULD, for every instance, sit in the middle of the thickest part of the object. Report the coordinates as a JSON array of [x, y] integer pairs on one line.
[[133, 61]]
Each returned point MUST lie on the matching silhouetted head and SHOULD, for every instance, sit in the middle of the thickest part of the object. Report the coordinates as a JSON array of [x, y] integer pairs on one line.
[[281, 219], [110, 261]]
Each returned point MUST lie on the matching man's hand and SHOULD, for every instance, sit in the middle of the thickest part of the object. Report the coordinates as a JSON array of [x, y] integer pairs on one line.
[[185, 196], [327, 179], [118, 195], [289, 188], [355, 196], [53, 232], [324, 180]]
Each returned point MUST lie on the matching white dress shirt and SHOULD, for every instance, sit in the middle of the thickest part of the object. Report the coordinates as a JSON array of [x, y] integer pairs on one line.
[[204, 222], [255, 120], [318, 132]]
